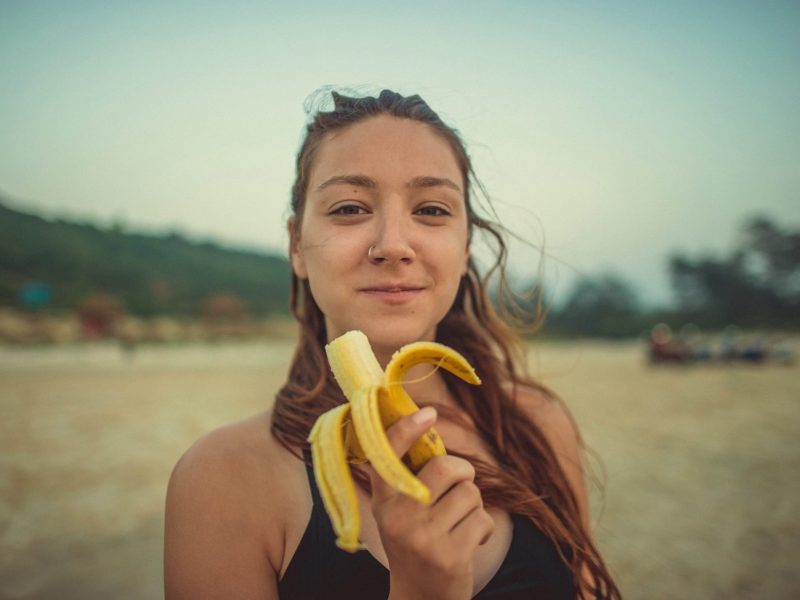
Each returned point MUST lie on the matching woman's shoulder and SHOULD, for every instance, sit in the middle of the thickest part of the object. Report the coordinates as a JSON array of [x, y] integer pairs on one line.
[[233, 480], [245, 445], [551, 415]]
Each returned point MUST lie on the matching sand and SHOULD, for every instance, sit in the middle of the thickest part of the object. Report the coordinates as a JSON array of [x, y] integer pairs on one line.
[[702, 464]]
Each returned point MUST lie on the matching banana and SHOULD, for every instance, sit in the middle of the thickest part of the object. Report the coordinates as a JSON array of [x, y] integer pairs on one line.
[[400, 403], [334, 482], [356, 431], [370, 429]]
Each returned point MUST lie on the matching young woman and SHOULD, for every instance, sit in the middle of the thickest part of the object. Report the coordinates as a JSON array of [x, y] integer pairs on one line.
[[383, 216]]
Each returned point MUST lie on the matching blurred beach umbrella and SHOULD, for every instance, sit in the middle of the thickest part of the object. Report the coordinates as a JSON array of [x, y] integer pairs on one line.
[[34, 294]]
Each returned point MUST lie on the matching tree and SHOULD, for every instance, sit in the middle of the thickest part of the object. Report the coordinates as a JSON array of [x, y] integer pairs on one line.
[[601, 306], [150, 274], [757, 285], [771, 257]]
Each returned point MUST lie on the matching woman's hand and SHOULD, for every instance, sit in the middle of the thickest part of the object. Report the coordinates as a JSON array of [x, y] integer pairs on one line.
[[430, 548]]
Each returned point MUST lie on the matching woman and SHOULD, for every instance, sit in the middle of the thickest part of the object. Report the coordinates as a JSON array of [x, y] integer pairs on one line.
[[380, 239]]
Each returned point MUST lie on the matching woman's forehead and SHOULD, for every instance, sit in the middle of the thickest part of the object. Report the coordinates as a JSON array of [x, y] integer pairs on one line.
[[385, 146]]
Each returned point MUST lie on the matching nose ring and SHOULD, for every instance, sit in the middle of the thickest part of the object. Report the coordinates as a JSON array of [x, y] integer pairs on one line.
[[371, 258]]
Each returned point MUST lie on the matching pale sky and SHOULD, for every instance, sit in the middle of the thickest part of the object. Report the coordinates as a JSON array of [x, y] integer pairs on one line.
[[613, 132]]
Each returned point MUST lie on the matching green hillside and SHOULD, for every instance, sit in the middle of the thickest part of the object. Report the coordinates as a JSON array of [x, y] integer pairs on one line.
[[147, 274]]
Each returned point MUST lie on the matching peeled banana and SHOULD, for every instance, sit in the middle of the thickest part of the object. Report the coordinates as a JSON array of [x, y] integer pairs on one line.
[[356, 432]]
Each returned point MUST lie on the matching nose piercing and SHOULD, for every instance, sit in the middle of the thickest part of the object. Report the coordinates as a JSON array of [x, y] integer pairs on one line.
[[371, 258]]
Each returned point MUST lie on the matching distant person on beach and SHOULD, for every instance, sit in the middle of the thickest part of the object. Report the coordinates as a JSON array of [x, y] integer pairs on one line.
[[384, 209], [665, 348]]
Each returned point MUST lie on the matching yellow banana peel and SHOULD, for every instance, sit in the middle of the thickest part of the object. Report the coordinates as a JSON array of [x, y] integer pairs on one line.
[[356, 432]]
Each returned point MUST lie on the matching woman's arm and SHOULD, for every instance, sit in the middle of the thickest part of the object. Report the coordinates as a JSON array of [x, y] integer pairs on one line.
[[216, 543]]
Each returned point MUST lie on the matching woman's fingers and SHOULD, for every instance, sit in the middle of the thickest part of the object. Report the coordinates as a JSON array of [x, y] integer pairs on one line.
[[454, 495], [402, 436], [454, 506], [473, 530], [444, 472]]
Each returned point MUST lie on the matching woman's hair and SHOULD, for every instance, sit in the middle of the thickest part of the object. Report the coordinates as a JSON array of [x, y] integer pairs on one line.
[[527, 479]]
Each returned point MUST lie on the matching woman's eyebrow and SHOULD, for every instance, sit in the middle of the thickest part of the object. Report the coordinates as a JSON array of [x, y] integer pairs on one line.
[[357, 180], [428, 181]]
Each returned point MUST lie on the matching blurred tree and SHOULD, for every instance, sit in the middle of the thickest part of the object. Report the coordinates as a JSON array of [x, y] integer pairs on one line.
[[600, 306], [771, 257], [152, 274], [757, 285]]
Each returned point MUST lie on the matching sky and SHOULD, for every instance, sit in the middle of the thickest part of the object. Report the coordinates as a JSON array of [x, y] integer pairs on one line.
[[608, 134]]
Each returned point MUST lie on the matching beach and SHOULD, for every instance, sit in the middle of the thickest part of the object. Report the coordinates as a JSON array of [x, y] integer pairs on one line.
[[696, 465]]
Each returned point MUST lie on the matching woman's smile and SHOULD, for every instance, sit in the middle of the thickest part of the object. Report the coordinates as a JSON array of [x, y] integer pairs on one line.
[[394, 294]]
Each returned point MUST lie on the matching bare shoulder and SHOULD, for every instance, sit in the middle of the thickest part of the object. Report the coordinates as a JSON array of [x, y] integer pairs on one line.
[[230, 499], [243, 453], [552, 417]]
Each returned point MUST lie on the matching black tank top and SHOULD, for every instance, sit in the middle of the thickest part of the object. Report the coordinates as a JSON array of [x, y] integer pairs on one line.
[[320, 570]]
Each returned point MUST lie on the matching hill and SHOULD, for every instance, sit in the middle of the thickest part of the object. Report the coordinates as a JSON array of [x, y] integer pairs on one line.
[[58, 264]]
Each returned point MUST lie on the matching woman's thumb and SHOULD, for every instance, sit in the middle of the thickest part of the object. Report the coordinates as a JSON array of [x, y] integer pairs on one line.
[[402, 436], [409, 429]]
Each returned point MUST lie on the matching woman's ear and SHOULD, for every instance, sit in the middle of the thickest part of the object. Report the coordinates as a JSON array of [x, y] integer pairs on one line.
[[295, 251]]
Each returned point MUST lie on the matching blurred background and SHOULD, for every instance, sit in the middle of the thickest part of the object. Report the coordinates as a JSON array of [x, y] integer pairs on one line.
[[645, 155]]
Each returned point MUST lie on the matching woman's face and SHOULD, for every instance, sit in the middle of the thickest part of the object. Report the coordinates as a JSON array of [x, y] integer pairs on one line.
[[394, 185]]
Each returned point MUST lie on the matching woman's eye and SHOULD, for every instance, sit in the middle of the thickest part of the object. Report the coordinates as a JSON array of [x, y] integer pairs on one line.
[[348, 209], [432, 211]]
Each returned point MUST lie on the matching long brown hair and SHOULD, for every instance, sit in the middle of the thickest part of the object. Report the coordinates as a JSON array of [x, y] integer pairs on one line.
[[527, 479]]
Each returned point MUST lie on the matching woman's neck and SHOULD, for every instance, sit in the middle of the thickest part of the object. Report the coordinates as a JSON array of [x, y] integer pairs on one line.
[[425, 384]]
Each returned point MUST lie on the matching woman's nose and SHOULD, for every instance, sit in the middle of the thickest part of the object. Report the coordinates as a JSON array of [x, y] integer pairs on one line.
[[392, 243]]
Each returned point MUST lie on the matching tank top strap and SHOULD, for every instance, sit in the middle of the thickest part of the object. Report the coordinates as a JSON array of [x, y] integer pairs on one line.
[[312, 481]]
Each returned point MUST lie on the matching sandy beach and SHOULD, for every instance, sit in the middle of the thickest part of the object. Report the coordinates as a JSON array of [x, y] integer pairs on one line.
[[699, 465]]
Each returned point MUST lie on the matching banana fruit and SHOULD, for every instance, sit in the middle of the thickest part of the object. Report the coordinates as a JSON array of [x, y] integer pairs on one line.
[[356, 432]]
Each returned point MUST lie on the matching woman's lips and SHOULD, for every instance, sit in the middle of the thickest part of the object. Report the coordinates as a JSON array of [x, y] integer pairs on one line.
[[398, 295]]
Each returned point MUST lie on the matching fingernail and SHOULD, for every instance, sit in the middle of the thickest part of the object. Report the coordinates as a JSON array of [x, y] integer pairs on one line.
[[424, 416]]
